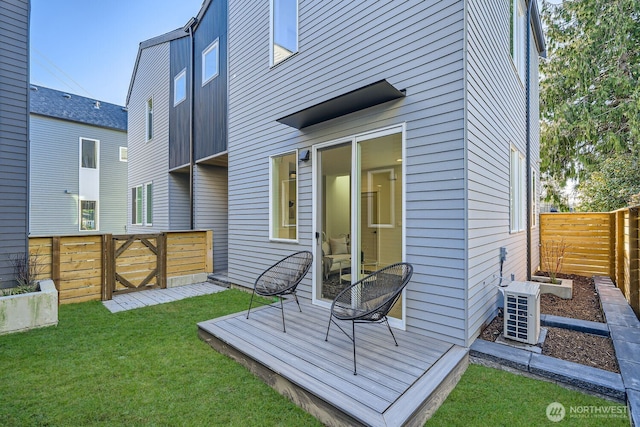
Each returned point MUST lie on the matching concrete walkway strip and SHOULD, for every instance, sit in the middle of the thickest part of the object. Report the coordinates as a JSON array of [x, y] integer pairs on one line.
[[133, 300], [624, 327]]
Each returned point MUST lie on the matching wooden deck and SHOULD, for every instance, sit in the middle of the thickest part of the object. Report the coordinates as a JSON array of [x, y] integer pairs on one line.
[[395, 386]]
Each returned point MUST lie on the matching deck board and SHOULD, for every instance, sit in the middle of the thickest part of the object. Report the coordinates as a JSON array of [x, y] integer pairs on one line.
[[319, 365], [375, 339], [394, 385]]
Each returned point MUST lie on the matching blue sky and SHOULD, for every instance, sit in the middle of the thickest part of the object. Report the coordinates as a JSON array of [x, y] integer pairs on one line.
[[89, 47]]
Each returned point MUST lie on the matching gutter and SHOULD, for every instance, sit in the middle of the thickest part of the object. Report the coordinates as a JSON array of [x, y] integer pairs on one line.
[[528, 136], [189, 28]]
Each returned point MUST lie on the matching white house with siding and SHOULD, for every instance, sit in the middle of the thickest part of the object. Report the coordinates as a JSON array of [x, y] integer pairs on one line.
[[371, 133], [78, 164]]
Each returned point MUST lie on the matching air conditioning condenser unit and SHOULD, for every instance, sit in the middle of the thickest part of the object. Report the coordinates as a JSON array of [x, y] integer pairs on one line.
[[522, 312]]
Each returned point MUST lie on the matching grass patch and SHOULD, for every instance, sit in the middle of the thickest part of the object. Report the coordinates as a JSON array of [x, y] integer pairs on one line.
[[486, 396], [148, 367], [139, 367]]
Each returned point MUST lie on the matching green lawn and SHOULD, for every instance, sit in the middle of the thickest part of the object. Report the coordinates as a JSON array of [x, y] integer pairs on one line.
[[139, 367], [490, 397], [148, 367]]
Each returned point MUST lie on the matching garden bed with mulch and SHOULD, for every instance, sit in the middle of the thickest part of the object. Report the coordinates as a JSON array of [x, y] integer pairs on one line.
[[573, 346]]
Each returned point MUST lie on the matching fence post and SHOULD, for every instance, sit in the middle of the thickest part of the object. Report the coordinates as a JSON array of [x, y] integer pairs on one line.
[[108, 273], [208, 252], [633, 293], [161, 262], [55, 263], [612, 245], [620, 249]]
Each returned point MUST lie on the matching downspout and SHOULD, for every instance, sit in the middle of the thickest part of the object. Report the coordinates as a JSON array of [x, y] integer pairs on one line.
[[528, 136], [191, 103]]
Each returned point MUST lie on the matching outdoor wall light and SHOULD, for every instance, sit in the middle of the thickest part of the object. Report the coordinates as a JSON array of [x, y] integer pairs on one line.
[[304, 156]]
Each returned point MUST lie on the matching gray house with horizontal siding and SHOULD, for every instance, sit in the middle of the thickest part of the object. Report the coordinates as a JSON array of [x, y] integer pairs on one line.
[[14, 133], [78, 181], [407, 130], [177, 131], [368, 133]]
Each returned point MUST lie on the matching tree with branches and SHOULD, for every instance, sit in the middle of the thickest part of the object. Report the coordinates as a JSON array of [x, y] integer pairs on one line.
[[589, 87]]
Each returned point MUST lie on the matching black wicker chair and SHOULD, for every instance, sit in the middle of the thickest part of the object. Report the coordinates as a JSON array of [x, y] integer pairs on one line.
[[369, 300], [283, 278]]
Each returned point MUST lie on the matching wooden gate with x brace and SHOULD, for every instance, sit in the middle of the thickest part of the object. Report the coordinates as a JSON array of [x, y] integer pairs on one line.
[[135, 262]]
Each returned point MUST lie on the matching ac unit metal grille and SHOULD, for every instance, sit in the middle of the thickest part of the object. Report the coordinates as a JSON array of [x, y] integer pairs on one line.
[[522, 312]]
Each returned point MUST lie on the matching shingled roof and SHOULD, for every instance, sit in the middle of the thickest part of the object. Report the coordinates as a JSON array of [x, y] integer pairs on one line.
[[62, 105]]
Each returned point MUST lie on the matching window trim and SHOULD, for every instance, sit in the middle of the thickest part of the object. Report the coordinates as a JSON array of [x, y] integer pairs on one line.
[[148, 211], [96, 216], [272, 62], [517, 190], [97, 152], [124, 158], [534, 198], [181, 74], [518, 48], [214, 45], [273, 204], [134, 205], [149, 113]]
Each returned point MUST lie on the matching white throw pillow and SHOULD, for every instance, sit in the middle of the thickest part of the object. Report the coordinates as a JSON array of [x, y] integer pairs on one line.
[[339, 246], [326, 248]]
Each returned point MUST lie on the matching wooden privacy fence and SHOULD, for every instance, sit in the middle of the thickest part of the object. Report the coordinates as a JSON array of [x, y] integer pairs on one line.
[[92, 267], [601, 244]]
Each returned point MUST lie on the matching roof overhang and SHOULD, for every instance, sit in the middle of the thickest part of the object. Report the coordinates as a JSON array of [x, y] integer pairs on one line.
[[538, 31], [350, 102]]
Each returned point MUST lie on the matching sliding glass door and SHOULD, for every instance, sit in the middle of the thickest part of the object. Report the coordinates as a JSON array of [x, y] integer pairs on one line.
[[358, 210]]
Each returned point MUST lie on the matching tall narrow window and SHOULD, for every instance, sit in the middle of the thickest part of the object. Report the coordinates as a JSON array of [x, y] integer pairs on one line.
[[517, 190], [518, 35], [89, 158], [88, 215], [284, 29], [534, 199], [149, 205], [123, 154], [136, 205], [210, 62], [149, 119], [180, 87], [283, 200]]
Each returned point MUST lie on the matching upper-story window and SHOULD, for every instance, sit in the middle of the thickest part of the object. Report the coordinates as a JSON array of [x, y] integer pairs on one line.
[[210, 62], [123, 154], [284, 29], [180, 87], [519, 35], [517, 191], [89, 156], [149, 119]]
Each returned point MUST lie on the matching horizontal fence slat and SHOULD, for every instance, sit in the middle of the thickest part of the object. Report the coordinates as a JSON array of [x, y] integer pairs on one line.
[[605, 244], [81, 260]]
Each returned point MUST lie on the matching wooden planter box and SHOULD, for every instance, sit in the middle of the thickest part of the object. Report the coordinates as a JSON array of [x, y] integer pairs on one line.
[[29, 311], [564, 289]]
